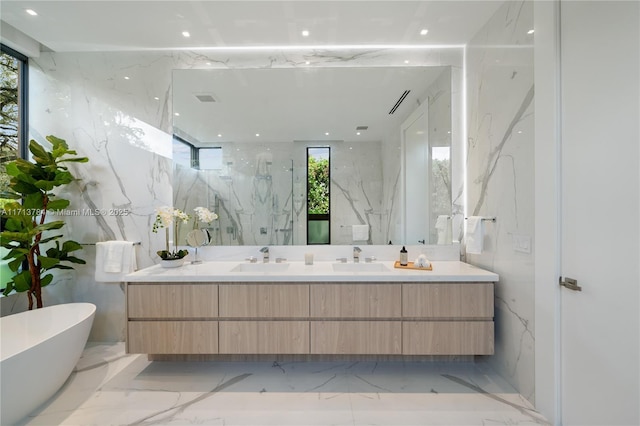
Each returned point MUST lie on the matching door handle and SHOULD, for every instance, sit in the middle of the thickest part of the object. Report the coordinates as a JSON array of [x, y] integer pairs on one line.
[[570, 283]]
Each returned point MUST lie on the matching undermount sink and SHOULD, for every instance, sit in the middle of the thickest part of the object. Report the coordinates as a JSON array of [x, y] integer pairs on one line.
[[260, 267], [359, 267]]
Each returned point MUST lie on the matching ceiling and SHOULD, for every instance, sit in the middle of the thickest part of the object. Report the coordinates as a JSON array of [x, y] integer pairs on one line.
[[288, 104], [75, 26], [149, 25]]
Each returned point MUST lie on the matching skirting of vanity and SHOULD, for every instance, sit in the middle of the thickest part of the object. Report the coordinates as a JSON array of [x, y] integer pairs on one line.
[[351, 317]]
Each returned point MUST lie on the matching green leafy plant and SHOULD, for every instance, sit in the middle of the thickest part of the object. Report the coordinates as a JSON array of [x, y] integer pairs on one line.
[[25, 228], [318, 178]]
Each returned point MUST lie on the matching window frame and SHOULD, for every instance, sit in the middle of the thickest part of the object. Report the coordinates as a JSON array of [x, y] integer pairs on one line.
[[23, 99]]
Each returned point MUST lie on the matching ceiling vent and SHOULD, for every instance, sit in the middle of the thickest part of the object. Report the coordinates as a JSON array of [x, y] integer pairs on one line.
[[362, 128], [206, 97], [402, 97]]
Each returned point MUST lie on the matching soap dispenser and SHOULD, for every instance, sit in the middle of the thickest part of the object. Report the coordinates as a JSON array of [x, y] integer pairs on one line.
[[403, 257]]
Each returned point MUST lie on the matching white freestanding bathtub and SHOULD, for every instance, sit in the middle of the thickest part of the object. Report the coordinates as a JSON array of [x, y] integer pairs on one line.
[[38, 352]]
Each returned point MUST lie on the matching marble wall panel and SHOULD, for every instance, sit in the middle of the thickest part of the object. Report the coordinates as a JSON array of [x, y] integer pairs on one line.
[[500, 178], [115, 108]]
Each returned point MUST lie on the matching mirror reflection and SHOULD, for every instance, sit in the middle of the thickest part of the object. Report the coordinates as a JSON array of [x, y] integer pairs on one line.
[[242, 138], [197, 238]]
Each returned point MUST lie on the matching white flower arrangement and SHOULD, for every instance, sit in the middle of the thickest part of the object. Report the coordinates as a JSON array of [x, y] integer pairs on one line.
[[165, 216], [205, 215]]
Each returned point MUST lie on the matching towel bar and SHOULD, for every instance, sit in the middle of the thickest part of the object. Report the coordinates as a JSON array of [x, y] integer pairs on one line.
[[492, 219], [136, 243]]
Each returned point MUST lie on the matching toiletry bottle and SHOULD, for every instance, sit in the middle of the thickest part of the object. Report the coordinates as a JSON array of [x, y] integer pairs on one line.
[[403, 257]]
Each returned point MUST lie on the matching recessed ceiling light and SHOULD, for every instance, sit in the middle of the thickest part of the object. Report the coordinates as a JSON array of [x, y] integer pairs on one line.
[[424, 31], [305, 33], [126, 78], [186, 34], [519, 132], [31, 12], [530, 32], [406, 61], [219, 135], [326, 133], [257, 134], [156, 98], [358, 133], [177, 114], [307, 62]]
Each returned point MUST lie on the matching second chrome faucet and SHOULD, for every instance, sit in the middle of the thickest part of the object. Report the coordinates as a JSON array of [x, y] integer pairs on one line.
[[265, 254]]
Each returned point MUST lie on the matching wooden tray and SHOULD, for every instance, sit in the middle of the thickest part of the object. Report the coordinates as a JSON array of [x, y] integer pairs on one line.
[[410, 265]]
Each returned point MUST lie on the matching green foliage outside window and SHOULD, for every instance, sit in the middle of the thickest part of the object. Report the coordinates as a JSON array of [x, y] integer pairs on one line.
[[318, 176], [9, 145]]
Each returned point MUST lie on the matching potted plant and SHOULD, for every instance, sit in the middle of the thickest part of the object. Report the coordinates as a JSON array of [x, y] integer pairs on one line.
[[165, 217], [26, 230]]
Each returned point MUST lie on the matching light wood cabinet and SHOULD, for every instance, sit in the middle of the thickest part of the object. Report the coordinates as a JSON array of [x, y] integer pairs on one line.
[[264, 300], [448, 300], [356, 337], [310, 318], [172, 337], [447, 337], [356, 301], [264, 337], [179, 300]]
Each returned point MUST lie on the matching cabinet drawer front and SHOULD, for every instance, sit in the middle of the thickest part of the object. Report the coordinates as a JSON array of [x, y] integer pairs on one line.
[[264, 337], [455, 300], [356, 337], [172, 300], [264, 301], [356, 301], [448, 338], [173, 337]]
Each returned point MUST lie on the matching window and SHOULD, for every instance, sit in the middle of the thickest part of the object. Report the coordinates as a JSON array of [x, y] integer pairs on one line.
[[13, 114], [13, 127], [183, 152], [210, 158], [318, 196]]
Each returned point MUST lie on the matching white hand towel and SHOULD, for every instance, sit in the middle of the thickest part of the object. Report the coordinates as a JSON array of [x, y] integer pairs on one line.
[[422, 262], [475, 234], [443, 228], [360, 232], [114, 260]]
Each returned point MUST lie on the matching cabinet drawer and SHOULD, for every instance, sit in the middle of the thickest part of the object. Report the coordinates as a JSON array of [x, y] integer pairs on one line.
[[356, 337], [448, 301], [264, 301], [448, 338], [356, 301], [172, 300], [172, 337], [264, 337]]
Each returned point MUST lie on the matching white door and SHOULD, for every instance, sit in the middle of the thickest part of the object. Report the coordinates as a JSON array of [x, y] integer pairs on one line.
[[600, 216], [415, 174]]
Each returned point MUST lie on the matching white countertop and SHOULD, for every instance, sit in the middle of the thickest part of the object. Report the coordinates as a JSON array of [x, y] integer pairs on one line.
[[378, 271]]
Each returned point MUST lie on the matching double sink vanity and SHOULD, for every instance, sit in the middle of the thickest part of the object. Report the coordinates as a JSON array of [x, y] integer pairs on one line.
[[328, 308]]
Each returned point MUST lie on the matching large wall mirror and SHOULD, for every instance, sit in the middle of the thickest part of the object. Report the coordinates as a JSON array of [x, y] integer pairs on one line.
[[242, 137]]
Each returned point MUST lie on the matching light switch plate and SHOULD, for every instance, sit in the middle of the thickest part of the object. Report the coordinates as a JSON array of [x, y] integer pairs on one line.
[[521, 243]]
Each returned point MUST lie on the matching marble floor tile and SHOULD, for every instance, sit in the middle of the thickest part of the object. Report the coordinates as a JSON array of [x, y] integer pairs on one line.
[[109, 387]]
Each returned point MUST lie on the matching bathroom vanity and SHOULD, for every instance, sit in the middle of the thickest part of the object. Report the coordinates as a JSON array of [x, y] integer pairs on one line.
[[231, 308]]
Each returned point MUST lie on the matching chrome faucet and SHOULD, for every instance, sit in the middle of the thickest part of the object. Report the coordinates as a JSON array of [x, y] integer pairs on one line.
[[356, 254], [265, 254]]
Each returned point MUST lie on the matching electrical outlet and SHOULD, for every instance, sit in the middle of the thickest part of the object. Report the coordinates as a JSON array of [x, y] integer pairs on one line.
[[521, 243]]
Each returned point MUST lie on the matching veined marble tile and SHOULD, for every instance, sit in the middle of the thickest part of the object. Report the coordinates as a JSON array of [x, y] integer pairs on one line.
[[501, 177], [111, 388]]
